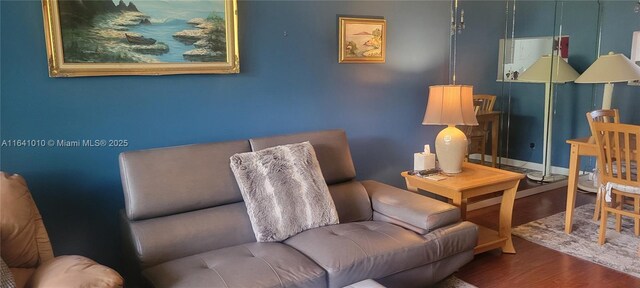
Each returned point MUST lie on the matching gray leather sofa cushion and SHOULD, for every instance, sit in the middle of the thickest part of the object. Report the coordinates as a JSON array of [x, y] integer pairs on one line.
[[450, 247], [411, 208], [451, 240], [332, 151], [356, 251], [352, 201], [380, 217], [164, 181], [427, 275], [250, 265], [170, 237]]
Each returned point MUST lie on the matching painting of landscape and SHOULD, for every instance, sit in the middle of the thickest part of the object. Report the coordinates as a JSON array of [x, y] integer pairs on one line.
[[362, 40], [143, 31]]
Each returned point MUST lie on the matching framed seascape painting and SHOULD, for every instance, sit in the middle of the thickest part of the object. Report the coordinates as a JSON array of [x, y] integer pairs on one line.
[[362, 40], [141, 37]]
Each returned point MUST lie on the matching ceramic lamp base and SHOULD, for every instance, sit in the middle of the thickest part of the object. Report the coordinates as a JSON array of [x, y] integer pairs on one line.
[[451, 145]]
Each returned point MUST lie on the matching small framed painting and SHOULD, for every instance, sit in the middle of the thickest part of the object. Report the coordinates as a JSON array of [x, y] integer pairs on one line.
[[140, 37], [362, 40]]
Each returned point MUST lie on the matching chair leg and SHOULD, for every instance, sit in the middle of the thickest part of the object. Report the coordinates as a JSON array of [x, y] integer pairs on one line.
[[636, 209], [599, 201], [618, 215], [483, 148], [603, 225]]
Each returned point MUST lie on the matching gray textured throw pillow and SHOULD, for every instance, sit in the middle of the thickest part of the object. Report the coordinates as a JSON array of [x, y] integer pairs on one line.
[[284, 191]]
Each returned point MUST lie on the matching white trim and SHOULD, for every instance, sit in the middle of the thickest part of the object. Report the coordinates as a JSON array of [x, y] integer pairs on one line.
[[523, 164], [522, 193], [519, 194]]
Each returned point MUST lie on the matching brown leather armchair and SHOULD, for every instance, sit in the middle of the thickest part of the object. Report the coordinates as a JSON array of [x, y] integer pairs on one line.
[[25, 246]]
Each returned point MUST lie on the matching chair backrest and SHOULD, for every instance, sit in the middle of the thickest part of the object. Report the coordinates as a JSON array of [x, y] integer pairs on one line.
[[603, 116], [618, 152], [485, 102], [467, 129], [24, 241]]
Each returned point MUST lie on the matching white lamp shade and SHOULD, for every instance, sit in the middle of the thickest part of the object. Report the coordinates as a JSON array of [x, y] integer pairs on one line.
[[541, 71], [609, 69], [450, 105]]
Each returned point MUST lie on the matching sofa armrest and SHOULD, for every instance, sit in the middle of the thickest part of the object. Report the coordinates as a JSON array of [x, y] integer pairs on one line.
[[75, 271], [421, 213], [453, 239]]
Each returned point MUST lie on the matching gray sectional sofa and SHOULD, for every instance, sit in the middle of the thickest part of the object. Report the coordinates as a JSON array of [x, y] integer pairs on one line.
[[185, 224]]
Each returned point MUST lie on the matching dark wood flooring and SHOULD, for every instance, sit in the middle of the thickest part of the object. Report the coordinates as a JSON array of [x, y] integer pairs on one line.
[[534, 265]]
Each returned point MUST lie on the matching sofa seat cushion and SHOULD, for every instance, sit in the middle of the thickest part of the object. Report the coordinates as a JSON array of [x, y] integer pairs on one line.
[[247, 265], [352, 252]]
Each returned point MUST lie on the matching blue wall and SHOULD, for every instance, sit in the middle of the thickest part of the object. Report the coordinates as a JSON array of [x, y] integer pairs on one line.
[[287, 84]]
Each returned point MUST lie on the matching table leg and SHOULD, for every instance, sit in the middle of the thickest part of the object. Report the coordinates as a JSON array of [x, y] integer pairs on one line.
[[619, 199], [495, 126], [574, 164], [462, 204], [409, 187], [599, 199], [506, 212], [636, 209]]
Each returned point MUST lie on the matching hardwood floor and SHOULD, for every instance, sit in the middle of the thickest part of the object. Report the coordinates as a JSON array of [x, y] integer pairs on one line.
[[534, 265]]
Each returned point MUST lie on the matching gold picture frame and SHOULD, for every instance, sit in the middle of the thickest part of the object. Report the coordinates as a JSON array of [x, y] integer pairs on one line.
[[107, 40], [362, 40]]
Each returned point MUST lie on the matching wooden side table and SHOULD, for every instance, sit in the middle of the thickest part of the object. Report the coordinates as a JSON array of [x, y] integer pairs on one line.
[[476, 180]]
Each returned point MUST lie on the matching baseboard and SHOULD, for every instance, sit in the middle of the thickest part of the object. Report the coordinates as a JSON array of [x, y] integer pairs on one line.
[[519, 194], [523, 164]]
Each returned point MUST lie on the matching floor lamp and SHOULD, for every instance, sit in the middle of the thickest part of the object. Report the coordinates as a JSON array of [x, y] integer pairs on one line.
[[548, 70], [607, 69]]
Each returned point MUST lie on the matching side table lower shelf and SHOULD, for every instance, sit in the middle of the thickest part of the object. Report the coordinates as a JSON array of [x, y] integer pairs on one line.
[[489, 239]]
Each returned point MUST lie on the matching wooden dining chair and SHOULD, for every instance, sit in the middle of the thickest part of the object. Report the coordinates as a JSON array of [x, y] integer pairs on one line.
[[484, 101], [602, 116], [478, 135], [618, 159]]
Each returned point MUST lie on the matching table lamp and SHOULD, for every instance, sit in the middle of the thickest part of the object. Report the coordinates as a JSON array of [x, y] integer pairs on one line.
[[548, 70], [609, 69], [450, 105]]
